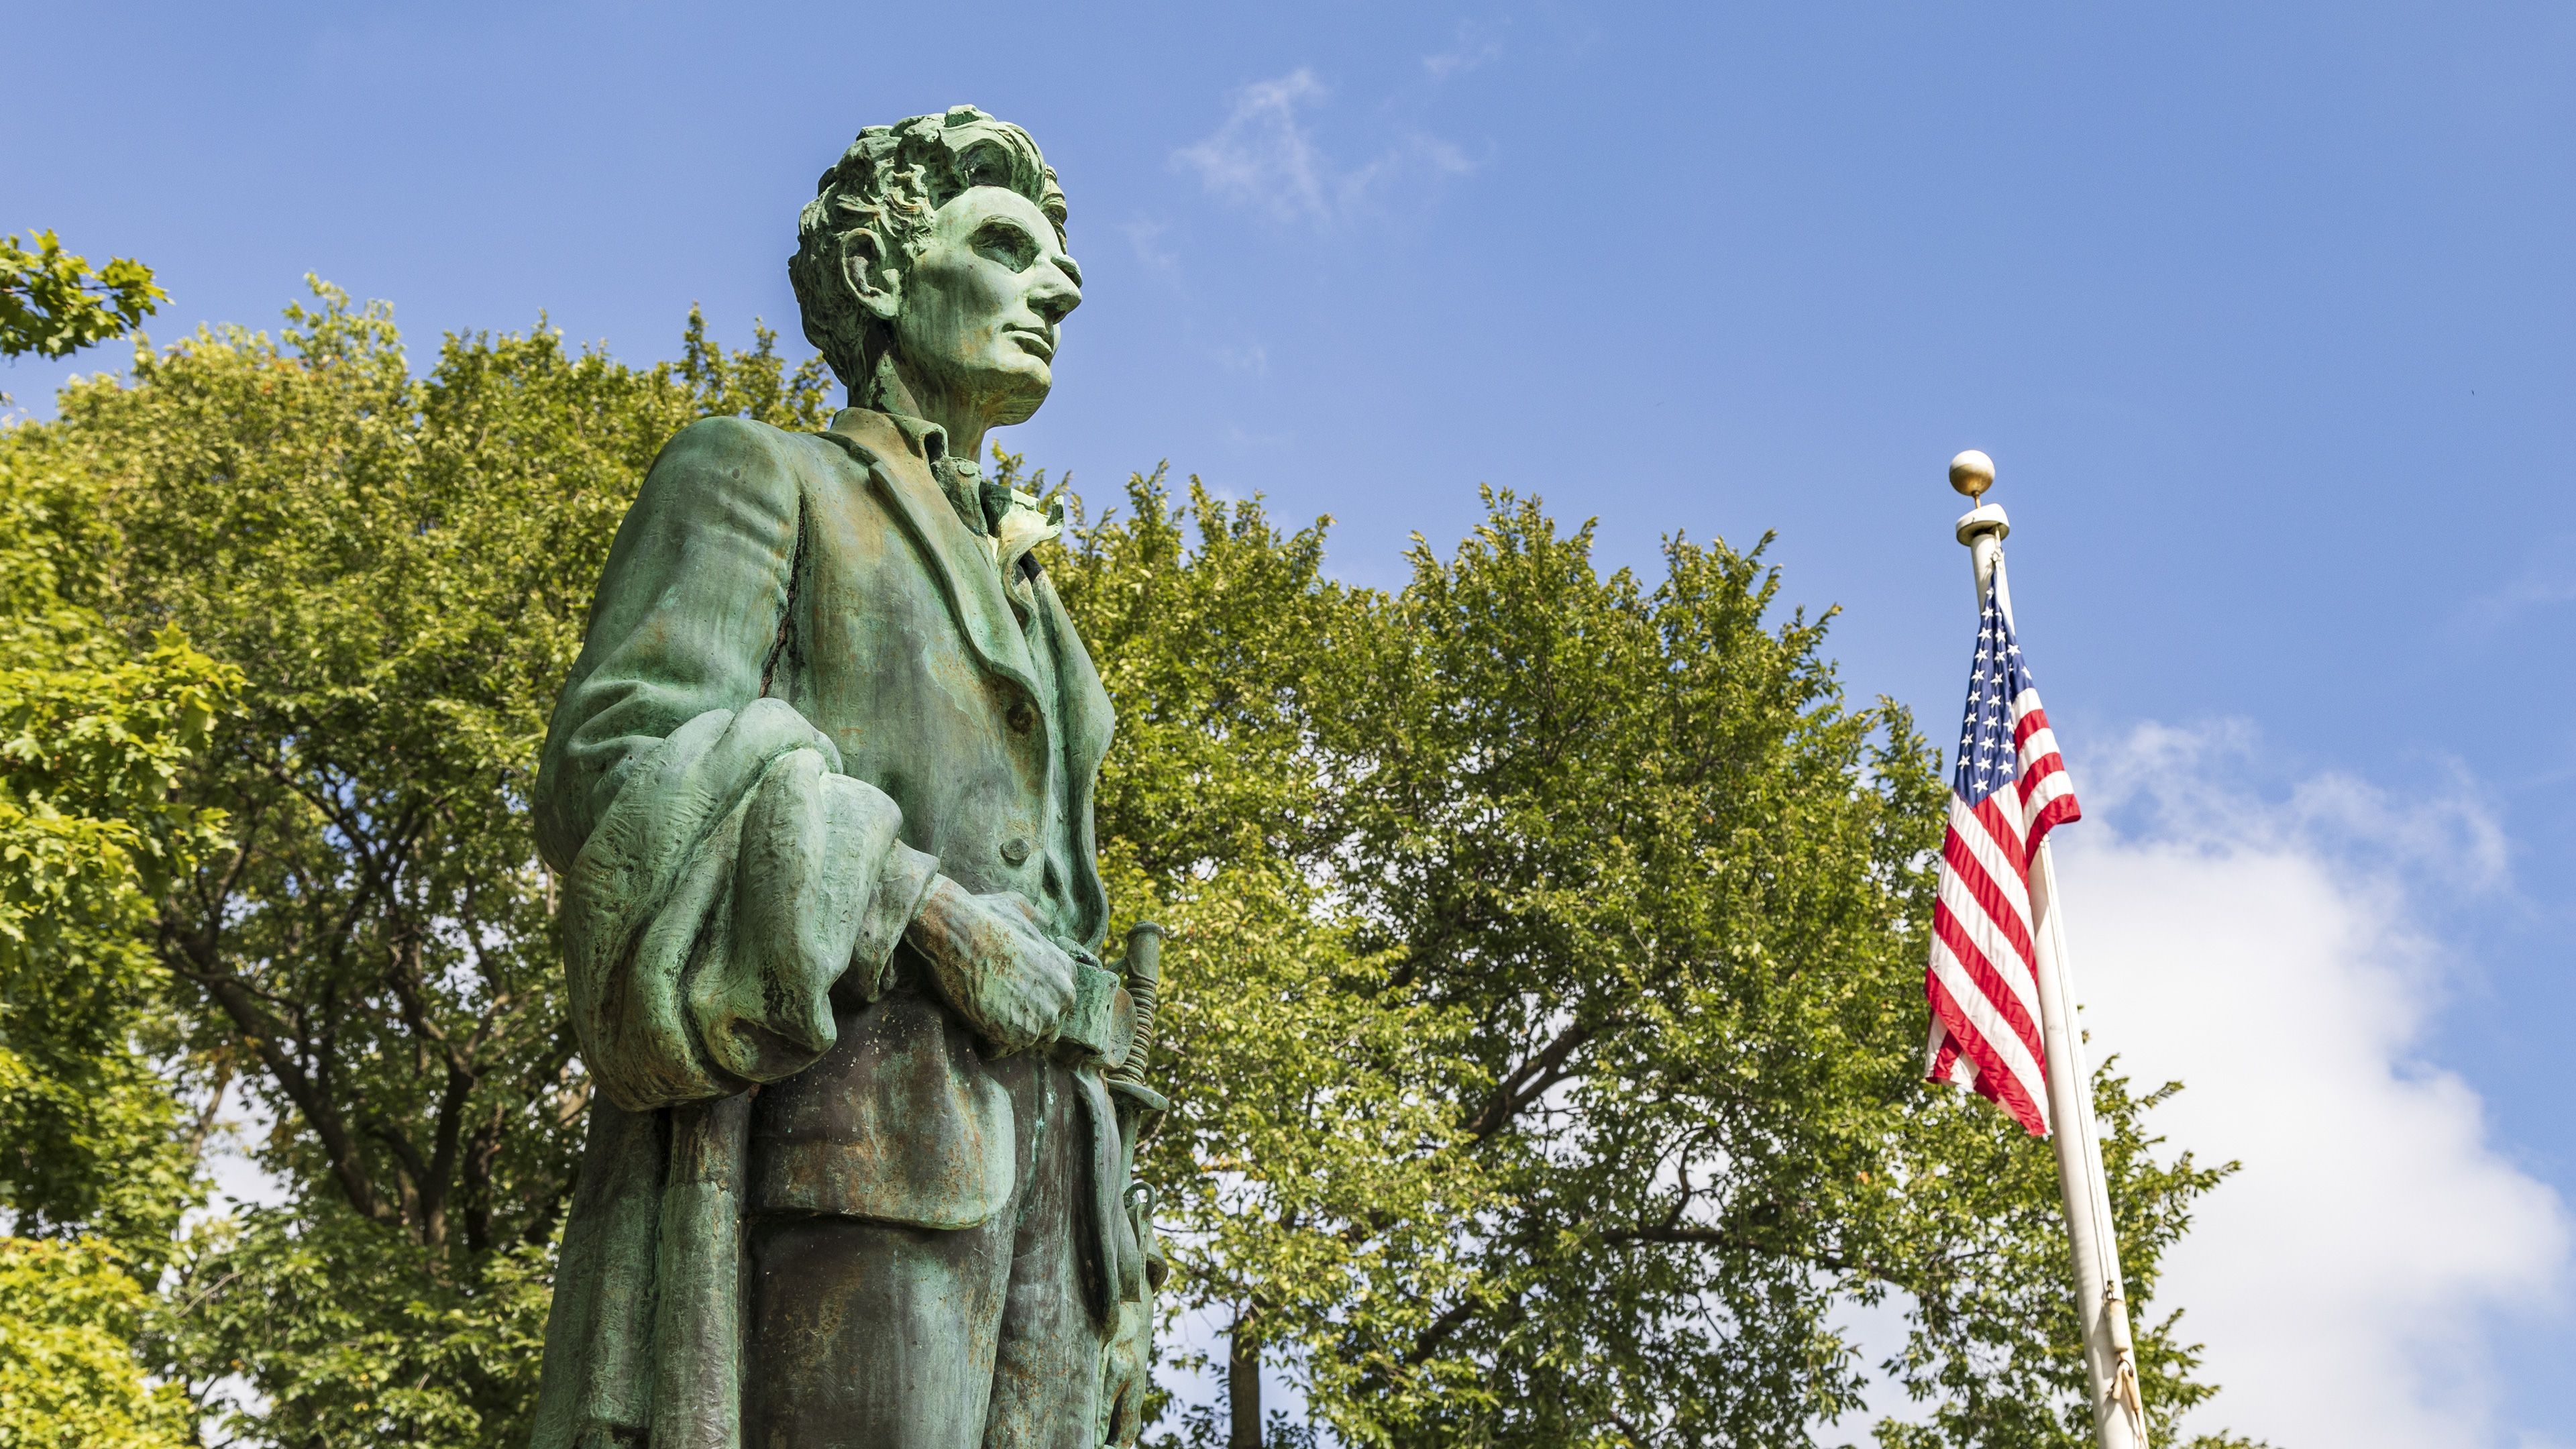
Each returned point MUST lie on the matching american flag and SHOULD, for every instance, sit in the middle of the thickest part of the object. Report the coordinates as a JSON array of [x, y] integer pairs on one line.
[[2009, 791]]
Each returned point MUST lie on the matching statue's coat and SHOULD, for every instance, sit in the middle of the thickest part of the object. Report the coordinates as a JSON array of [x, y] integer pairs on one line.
[[804, 689]]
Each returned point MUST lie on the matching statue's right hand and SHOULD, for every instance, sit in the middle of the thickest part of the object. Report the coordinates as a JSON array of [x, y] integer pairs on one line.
[[993, 961]]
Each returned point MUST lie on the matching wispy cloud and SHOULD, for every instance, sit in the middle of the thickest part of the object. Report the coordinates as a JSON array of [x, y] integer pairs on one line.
[[1266, 157], [2180, 784], [1474, 47], [2280, 957], [1146, 237], [1251, 357], [2548, 579]]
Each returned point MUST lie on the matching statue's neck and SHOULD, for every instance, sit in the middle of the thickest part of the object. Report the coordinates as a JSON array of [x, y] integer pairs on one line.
[[893, 388]]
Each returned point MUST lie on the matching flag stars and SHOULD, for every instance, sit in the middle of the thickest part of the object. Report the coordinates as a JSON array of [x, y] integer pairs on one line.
[[1989, 756], [2001, 703]]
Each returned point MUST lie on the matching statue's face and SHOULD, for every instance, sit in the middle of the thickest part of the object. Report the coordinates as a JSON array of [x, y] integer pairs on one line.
[[983, 305]]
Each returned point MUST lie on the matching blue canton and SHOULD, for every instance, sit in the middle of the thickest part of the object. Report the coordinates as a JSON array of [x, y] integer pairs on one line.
[[1988, 758]]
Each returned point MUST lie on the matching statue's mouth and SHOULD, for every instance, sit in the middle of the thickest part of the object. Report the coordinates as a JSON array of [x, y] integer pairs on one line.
[[1037, 342]]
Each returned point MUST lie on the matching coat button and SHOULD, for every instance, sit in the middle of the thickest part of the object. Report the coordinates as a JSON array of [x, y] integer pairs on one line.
[[1015, 849]]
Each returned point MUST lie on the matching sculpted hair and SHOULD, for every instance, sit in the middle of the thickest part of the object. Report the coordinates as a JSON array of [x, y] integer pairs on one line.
[[871, 209]]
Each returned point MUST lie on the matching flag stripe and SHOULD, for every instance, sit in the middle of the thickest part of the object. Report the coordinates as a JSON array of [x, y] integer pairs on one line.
[[1982, 980], [1993, 825], [2001, 1005], [2042, 780], [2018, 1089], [1966, 899]]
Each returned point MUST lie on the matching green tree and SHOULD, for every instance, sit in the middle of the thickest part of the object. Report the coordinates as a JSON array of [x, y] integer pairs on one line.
[[93, 736], [1647, 899], [54, 304], [68, 1380], [1543, 998], [1314, 1183], [399, 569], [97, 1159]]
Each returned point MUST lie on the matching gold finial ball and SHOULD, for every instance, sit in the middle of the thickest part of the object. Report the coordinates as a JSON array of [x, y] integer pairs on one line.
[[1972, 473]]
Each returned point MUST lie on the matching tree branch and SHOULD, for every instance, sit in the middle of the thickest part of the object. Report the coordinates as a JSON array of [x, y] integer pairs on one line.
[[1529, 1081], [265, 1036]]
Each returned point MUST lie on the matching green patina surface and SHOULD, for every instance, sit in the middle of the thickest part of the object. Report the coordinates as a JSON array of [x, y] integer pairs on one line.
[[819, 790]]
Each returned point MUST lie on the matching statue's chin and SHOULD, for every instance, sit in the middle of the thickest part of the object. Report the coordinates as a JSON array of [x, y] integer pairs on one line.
[[1002, 391], [1016, 392], [1019, 410]]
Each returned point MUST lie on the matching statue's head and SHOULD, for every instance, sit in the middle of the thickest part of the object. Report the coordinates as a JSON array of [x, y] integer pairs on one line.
[[932, 259]]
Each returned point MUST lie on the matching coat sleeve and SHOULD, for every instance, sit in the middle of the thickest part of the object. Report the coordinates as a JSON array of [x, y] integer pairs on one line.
[[719, 873]]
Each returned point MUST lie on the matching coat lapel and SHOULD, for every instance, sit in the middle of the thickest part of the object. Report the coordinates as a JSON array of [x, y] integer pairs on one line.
[[973, 588], [1087, 724], [1087, 719], [983, 612]]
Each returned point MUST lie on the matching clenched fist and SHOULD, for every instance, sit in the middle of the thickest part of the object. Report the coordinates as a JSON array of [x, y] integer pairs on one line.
[[994, 963]]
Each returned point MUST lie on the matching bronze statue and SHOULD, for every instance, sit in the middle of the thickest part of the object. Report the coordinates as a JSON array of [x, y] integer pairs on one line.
[[819, 790]]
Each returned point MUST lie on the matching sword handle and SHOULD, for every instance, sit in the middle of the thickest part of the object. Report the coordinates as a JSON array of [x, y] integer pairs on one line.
[[1144, 970]]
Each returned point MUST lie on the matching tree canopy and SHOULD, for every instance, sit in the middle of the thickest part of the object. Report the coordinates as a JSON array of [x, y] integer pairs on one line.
[[97, 1155], [1543, 1002], [54, 304]]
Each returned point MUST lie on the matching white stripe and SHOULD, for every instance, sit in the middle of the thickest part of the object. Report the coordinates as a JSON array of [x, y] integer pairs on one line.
[[1989, 1024], [1981, 844], [2017, 976], [2040, 745], [1990, 939], [2056, 786]]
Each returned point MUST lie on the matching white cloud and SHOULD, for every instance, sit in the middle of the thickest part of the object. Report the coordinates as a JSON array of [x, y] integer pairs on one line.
[[1266, 157], [2276, 957], [1475, 48], [2547, 579], [1146, 237]]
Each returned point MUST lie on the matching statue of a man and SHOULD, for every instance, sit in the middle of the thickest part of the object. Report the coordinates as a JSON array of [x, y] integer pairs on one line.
[[819, 790]]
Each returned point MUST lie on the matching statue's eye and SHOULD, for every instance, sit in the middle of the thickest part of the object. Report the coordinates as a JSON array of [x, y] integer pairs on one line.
[[1007, 244]]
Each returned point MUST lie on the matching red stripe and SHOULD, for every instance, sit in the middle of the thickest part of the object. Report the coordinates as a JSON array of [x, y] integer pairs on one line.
[[2015, 827], [2050, 766], [1989, 981], [2055, 813], [1971, 872], [1995, 1081], [2004, 827]]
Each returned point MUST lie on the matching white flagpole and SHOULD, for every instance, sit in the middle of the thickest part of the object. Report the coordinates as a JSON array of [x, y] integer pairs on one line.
[[2110, 1359]]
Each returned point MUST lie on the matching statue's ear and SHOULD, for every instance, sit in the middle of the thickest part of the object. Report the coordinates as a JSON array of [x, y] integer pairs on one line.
[[878, 287]]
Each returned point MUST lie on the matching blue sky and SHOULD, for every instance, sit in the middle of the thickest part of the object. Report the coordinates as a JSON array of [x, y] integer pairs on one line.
[[2265, 313]]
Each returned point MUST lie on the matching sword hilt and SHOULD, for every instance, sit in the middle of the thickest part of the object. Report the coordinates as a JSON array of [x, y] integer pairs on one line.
[[1144, 970]]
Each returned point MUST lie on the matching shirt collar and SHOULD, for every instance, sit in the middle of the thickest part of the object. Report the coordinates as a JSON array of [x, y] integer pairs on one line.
[[927, 440], [960, 479]]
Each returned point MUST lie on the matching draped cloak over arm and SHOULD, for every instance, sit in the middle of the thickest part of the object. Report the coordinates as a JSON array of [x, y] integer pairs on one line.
[[720, 876], [719, 873]]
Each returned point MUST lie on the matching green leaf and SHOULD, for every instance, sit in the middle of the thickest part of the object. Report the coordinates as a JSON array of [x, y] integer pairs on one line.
[[54, 304]]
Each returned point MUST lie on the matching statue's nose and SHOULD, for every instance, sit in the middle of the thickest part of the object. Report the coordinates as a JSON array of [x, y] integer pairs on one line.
[[1055, 296]]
